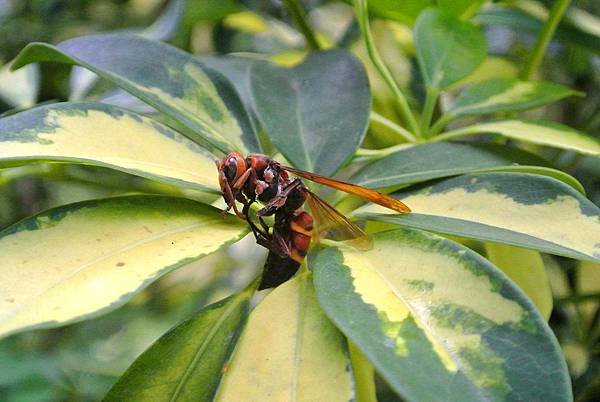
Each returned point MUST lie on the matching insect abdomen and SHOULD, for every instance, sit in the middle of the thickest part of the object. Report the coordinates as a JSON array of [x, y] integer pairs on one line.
[[278, 269]]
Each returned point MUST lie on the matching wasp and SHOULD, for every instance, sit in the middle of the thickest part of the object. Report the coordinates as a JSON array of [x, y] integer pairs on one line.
[[260, 178]]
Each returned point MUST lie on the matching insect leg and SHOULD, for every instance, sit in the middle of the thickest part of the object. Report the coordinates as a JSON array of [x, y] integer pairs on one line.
[[280, 199], [230, 199]]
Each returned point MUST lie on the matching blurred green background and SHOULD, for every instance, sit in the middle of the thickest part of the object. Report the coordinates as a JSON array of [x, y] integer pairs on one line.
[[80, 362]]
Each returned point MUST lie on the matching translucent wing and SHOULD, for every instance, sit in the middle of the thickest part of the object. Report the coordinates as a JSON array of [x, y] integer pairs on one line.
[[330, 223], [363, 192]]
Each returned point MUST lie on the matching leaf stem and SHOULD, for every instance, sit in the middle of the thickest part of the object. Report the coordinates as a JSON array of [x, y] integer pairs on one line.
[[431, 97], [362, 16], [460, 132], [535, 58], [397, 129], [299, 17], [364, 375], [440, 124]]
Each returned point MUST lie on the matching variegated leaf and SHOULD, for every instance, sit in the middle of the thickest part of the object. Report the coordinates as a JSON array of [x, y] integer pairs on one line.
[[507, 95], [289, 351], [166, 78], [436, 160], [104, 135], [76, 261], [536, 132], [526, 269], [519, 209], [439, 322]]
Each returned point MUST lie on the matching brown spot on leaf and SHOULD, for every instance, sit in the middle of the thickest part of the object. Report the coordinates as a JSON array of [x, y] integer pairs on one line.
[[9, 300], [147, 229], [120, 264]]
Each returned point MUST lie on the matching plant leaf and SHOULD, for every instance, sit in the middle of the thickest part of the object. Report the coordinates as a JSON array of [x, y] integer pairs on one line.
[[439, 322], [448, 49], [316, 113], [519, 209], [461, 7], [526, 269], [186, 363], [536, 132], [166, 78], [402, 11], [104, 135], [289, 351], [568, 31], [436, 160], [164, 27], [76, 261], [507, 95]]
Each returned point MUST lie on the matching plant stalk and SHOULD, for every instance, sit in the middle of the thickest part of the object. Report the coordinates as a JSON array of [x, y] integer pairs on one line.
[[364, 375], [535, 58], [362, 15], [440, 124], [428, 108], [299, 17], [460, 132]]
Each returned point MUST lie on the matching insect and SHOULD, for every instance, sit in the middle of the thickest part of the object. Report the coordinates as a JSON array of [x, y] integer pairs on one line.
[[260, 178]]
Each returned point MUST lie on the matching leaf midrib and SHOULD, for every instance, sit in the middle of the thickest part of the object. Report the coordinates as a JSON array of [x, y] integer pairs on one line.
[[97, 260], [201, 349], [299, 344]]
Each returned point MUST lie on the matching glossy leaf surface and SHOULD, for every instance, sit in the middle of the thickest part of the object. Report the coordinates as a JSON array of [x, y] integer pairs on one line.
[[507, 95], [448, 49], [75, 261], [186, 363], [526, 269], [439, 322], [519, 209], [104, 135], [437, 160], [536, 132], [289, 351], [316, 113], [166, 78]]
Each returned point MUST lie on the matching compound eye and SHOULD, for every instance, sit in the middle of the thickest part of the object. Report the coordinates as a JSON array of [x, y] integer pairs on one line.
[[230, 170]]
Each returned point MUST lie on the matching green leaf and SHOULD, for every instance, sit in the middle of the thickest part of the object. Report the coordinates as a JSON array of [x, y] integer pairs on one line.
[[447, 49], [186, 363], [461, 8], [289, 351], [104, 135], [507, 95], [166, 78], [519, 209], [316, 113], [164, 27], [526, 269], [439, 322], [76, 261], [436, 160], [570, 30], [533, 131], [402, 11]]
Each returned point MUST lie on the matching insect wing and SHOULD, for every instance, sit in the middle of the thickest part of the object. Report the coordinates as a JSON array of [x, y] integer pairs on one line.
[[360, 191], [332, 224]]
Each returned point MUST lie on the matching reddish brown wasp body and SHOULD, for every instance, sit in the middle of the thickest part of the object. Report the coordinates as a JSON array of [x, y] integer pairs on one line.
[[260, 178]]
